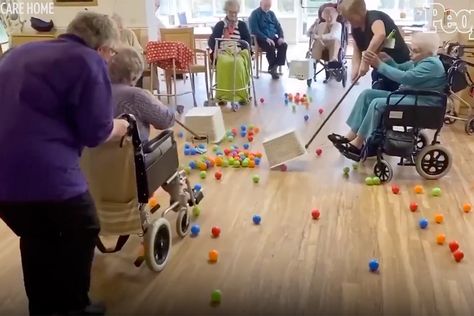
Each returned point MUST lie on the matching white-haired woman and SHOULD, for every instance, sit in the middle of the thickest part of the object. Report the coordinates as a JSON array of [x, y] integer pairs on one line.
[[127, 36], [425, 71], [125, 68], [60, 90]]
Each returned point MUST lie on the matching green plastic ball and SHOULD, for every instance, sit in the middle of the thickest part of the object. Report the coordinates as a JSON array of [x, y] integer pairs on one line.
[[376, 181], [187, 170], [369, 181], [245, 163], [346, 170], [355, 166], [230, 139], [203, 174], [215, 148], [196, 211], [436, 191], [216, 296], [256, 179], [225, 163], [236, 164]]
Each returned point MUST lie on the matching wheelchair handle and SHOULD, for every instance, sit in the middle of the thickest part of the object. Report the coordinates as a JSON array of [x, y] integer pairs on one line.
[[132, 129]]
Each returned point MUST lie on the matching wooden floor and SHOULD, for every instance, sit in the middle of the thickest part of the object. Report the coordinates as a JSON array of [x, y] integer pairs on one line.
[[291, 264]]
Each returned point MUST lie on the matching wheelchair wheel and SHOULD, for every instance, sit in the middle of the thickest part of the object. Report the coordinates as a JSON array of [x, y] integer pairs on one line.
[[182, 222], [433, 162], [383, 171], [469, 128], [157, 244]]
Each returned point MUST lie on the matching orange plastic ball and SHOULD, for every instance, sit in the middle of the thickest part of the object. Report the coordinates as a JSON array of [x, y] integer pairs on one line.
[[259, 155], [251, 164], [439, 218], [440, 239], [256, 130], [218, 161], [251, 156], [466, 207], [418, 189], [213, 255]]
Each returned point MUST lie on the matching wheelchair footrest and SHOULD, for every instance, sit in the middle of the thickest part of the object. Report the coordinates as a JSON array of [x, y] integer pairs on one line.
[[198, 196]]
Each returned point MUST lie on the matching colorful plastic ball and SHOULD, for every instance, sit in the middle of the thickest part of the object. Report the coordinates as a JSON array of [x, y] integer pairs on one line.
[[215, 231], [243, 133], [230, 138], [440, 239], [250, 138], [196, 211], [436, 191], [225, 163], [202, 146], [256, 179], [423, 223], [458, 255], [286, 102], [355, 166], [187, 146], [262, 100], [246, 146], [213, 255], [293, 108], [369, 181], [195, 229], [236, 164], [306, 117], [251, 164], [216, 296], [319, 152], [395, 189], [439, 218], [376, 180], [215, 148], [453, 246], [418, 189], [413, 206], [315, 214], [256, 219], [466, 207], [321, 111], [218, 175], [245, 163], [187, 151], [346, 170], [283, 168], [373, 265], [187, 170], [197, 187], [257, 161]]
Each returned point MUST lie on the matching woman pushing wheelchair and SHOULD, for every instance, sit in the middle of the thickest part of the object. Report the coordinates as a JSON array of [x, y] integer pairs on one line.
[[425, 71]]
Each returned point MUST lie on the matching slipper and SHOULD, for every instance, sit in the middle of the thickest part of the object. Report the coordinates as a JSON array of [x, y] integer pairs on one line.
[[338, 139], [349, 151]]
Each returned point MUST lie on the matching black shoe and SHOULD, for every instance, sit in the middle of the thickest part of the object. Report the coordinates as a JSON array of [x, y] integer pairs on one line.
[[273, 71], [349, 151], [337, 139]]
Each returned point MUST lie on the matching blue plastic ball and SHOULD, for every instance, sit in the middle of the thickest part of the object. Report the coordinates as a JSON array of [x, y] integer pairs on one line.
[[246, 146], [243, 128], [180, 134], [373, 265], [192, 165], [197, 187], [423, 223], [202, 146], [243, 133], [306, 117], [286, 102], [256, 219], [286, 95], [195, 229], [187, 146], [257, 161], [193, 151], [187, 152]]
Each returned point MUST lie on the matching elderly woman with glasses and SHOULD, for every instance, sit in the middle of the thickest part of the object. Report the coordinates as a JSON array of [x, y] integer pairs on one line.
[[125, 68], [425, 71], [232, 29]]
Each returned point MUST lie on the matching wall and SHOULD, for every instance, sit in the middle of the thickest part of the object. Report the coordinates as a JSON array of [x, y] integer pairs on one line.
[[132, 11]]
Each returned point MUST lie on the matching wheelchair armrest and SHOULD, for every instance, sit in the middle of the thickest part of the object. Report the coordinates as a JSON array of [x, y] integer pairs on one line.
[[417, 93], [156, 142]]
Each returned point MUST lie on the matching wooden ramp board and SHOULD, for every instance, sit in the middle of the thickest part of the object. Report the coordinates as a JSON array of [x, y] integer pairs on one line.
[[283, 147]]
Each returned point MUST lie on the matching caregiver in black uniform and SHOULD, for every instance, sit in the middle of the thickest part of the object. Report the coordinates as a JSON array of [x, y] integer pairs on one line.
[[369, 30]]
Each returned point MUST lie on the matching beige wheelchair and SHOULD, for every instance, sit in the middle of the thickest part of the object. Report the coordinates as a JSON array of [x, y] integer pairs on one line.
[[123, 177]]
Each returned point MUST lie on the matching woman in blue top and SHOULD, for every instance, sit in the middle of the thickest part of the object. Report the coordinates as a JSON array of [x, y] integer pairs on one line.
[[424, 72]]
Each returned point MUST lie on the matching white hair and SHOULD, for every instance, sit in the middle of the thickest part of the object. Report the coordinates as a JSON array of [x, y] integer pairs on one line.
[[126, 66], [231, 4], [95, 29], [426, 42]]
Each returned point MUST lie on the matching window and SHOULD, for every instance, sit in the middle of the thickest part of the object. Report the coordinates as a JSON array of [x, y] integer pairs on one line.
[[286, 7], [409, 10]]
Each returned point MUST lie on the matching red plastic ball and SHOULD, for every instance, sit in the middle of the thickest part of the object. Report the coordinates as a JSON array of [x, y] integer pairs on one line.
[[320, 111], [413, 206], [215, 231], [395, 189], [319, 151], [315, 214], [453, 246], [262, 100], [458, 255], [218, 175], [250, 138], [283, 167]]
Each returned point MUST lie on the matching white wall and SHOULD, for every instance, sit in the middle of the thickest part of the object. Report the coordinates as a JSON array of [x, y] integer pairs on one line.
[[132, 11]]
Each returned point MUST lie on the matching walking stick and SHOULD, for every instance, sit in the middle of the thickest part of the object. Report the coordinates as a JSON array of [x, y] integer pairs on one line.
[[196, 136]]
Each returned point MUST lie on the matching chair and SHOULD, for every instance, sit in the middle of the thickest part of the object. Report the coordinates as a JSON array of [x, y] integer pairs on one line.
[[185, 35]]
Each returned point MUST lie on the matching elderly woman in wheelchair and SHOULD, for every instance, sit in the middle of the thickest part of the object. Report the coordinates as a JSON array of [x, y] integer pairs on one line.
[[423, 83]]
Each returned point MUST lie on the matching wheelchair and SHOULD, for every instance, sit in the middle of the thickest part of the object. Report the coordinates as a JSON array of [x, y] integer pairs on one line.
[[123, 177], [340, 73], [400, 134]]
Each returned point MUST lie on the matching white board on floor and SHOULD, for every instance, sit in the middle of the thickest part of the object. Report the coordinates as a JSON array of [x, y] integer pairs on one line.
[[283, 147]]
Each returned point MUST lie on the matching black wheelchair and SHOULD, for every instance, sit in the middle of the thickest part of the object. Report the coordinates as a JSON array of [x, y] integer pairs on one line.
[[400, 134], [123, 176]]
